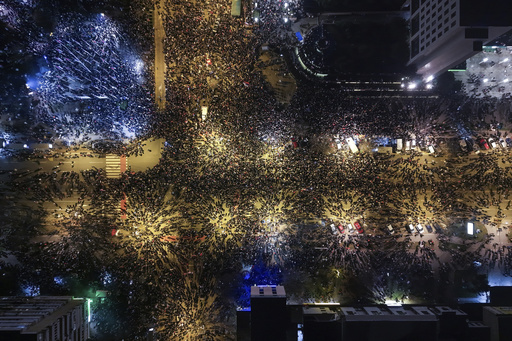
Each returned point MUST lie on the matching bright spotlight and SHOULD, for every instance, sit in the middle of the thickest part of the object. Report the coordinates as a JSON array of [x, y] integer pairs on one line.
[[50, 145], [393, 303], [505, 60], [505, 80], [430, 78], [429, 86], [486, 80], [285, 19], [411, 86], [485, 60]]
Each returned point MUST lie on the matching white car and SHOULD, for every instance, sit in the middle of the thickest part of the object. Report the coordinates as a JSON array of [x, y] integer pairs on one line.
[[333, 228], [493, 143], [390, 229], [419, 228]]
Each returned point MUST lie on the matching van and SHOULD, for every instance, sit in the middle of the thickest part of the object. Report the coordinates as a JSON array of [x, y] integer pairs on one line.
[[410, 228]]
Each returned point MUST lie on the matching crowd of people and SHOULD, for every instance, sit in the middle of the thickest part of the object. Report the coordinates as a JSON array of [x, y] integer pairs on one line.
[[253, 180]]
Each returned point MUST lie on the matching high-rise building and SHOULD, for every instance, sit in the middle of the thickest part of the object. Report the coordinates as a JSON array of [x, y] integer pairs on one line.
[[499, 320], [44, 318], [268, 313], [444, 33]]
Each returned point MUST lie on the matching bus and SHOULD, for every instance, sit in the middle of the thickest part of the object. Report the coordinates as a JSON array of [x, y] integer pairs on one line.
[[399, 145], [236, 8], [352, 145]]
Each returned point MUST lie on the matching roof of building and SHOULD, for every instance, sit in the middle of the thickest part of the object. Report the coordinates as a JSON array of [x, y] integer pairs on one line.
[[267, 291], [321, 312], [499, 310], [380, 313], [439, 310], [30, 315]]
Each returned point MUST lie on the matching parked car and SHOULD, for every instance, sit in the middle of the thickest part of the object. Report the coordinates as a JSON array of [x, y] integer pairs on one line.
[[483, 144], [341, 228], [410, 228], [493, 143], [429, 228], [358, 227], [463, 145], [470, 143], [420, 228], [390, 229], [333, 229], [350, 228]]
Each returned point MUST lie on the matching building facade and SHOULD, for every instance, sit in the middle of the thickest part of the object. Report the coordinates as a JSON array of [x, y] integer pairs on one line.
[[444, 33]]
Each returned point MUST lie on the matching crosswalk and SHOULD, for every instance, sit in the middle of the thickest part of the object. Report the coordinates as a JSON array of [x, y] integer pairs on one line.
[[113, 166]]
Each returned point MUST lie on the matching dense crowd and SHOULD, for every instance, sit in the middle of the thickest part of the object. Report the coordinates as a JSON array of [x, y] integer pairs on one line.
[[253, 182]]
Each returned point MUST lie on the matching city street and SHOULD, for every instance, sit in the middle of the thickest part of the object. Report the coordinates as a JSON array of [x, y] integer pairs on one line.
[[176, 183]]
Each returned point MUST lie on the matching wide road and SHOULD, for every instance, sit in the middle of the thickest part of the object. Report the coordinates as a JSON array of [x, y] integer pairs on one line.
[[160, 66]]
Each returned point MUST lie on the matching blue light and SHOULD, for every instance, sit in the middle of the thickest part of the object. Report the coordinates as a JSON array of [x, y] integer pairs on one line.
[[32, 83], [106, 278], [31, 290], [260, 274]]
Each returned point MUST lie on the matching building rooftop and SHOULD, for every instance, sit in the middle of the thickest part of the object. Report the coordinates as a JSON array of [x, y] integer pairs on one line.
[[380, 313], [499, 310], [267, 291], [29, 315], [439, 310]]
